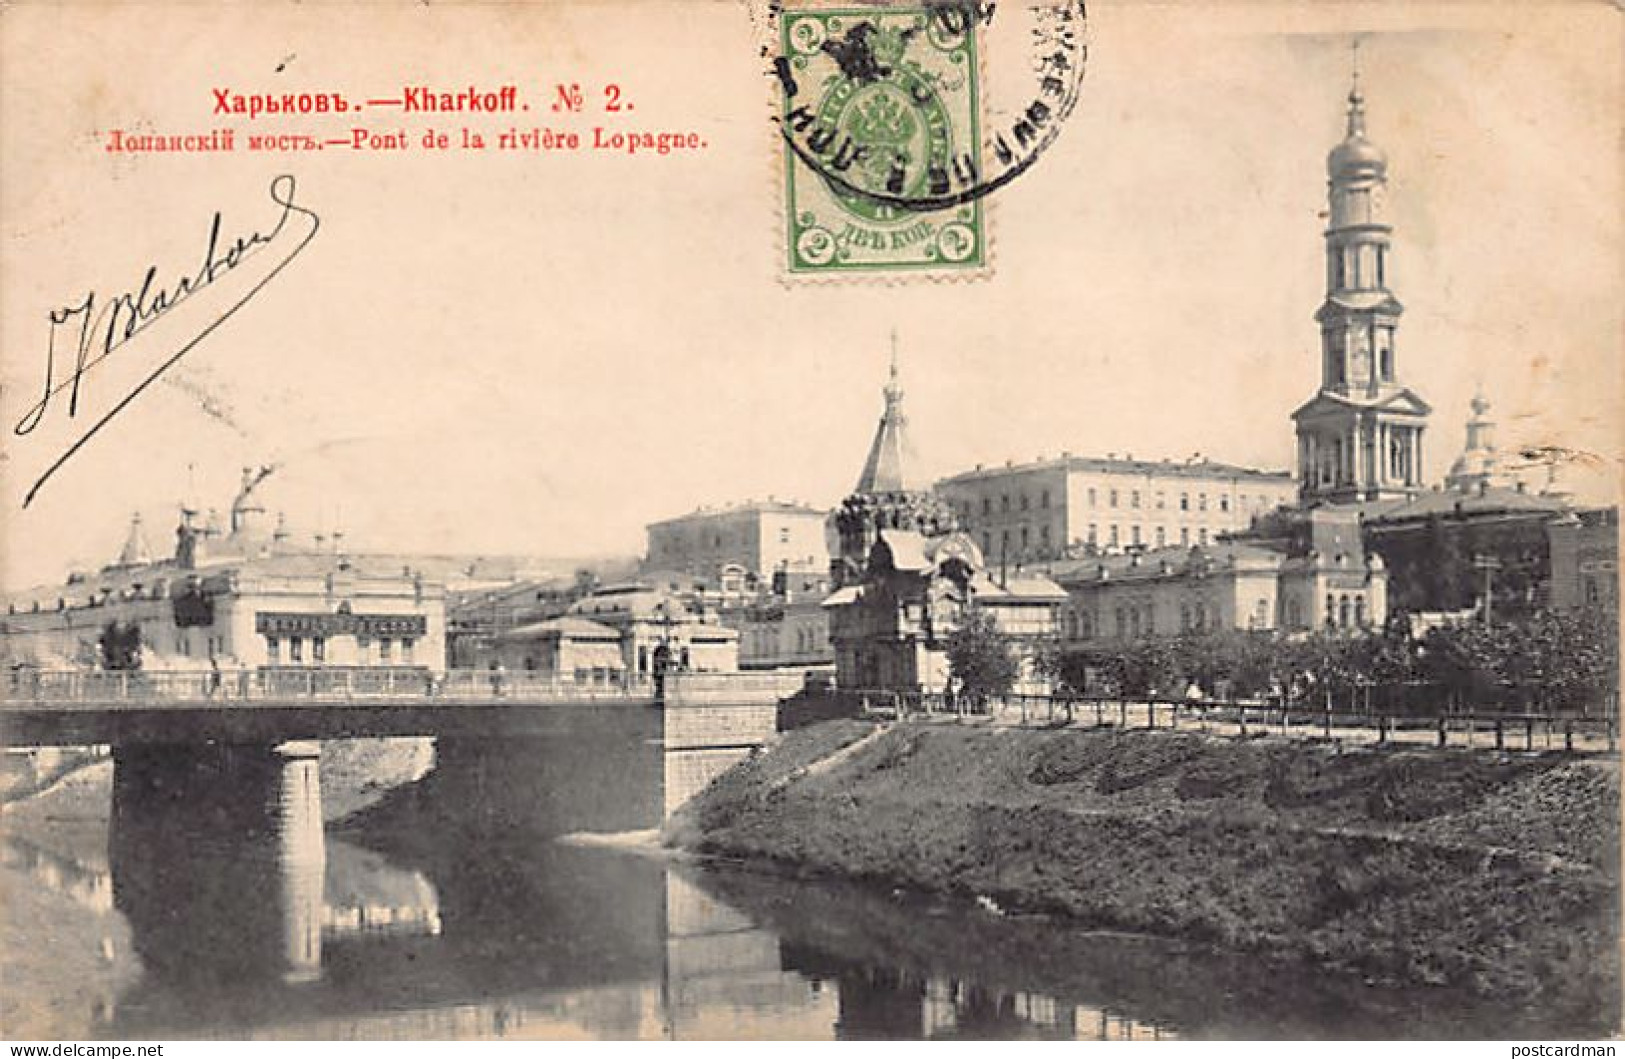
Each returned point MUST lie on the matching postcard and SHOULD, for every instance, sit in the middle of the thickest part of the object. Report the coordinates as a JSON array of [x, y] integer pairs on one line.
[[810, 519]]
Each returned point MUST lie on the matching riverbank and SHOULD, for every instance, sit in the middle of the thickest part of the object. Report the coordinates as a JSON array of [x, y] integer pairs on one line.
[[1497, 875]]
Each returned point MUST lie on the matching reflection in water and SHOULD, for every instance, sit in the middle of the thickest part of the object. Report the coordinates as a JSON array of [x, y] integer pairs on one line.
[[249, 922], [198, 836], [88, 886]]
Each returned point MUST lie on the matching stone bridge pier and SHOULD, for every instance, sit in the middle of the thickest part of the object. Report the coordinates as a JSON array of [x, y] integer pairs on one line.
[[218, 858]]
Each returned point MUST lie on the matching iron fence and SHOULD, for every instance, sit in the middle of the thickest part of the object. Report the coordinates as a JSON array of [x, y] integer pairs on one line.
[[1481, 730]]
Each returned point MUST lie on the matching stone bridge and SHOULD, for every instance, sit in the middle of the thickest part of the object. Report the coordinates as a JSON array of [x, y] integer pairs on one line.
[[203, 764]]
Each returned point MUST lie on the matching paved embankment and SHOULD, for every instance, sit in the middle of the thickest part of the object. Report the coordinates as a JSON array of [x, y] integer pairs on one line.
[[1499, 874]]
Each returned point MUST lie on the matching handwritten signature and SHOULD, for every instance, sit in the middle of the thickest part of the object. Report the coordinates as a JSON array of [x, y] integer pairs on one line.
[[105, 326]]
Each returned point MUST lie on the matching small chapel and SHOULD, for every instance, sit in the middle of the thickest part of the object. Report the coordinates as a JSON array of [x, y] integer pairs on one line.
[[905, 575]]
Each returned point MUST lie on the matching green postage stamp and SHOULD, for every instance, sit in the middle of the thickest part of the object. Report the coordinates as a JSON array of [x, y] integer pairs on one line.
[[881, 123]]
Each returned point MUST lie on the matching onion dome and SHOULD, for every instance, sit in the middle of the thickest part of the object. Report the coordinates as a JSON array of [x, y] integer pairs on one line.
[[1356, 156]]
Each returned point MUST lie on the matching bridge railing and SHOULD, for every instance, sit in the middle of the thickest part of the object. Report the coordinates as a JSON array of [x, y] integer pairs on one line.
[[281, 685]]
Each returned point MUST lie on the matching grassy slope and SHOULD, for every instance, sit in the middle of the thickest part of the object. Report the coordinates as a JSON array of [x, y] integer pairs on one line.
[[1499, 876]]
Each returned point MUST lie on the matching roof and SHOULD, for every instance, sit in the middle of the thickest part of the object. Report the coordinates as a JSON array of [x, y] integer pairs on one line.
[[633, 601], [1164, 562], [1203, 469], [843, 596], [907, 549], [889, 466], [1023, 589], [769, 506], [1449, 504], [573, 628], [123, 581], [1400, 402]]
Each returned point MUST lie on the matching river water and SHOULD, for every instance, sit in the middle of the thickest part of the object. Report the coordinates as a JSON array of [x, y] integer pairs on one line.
[[452, 936]]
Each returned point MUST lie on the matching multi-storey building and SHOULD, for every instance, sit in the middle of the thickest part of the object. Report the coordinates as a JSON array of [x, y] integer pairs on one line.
[[1585, 560], [1076, 505], [761, 537], [783, 633], [1313, 574], [250, 598]]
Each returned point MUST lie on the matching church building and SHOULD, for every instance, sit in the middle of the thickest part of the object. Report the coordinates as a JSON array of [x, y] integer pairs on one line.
[[906, 575], [1360, 436]]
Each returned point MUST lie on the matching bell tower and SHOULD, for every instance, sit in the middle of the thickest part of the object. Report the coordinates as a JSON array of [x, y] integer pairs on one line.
[[1360, 437]]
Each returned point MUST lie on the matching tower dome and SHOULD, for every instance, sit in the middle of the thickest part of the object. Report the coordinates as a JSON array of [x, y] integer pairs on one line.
[[1356, 156], [1479, 465]]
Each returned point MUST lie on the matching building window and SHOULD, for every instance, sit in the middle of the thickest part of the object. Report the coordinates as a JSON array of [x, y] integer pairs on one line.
[[1134, 535], [1043, 535], [1004, 502], [1359, 611], [1161, 500], [987, 543], [1184, 617], [1114, 498], [273, 649], [1150, 620], [385, 646], [1024, 501], [1091, 497], [1113, 531], [1121, 621], [1043, 498], [784, 534], [1224, 503], [1094, 533], [1343, 614], [1024, 540], [1184, 536], [296, 649], [1162, 536], [406, 650], [1331, 610], [987, 505], [318, 649], [1134, 498], [1201, 501], [1184, 501], [1202, 536]]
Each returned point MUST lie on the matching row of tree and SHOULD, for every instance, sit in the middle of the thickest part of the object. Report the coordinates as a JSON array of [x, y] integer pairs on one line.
[[1547, 661]]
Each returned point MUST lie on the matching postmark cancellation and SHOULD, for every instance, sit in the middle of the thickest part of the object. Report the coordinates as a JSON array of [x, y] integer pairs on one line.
[[881, 115]]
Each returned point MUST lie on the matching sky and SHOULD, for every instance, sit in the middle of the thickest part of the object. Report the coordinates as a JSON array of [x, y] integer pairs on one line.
[[542, 353]]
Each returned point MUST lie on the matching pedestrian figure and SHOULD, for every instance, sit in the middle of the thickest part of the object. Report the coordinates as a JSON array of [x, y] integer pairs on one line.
[[214, 676]]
